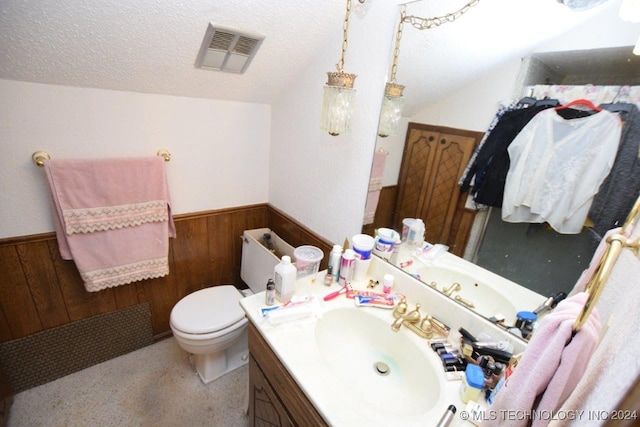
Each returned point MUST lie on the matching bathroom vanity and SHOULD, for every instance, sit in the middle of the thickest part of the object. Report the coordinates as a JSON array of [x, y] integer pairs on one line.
[[274, 396], [320, 369]]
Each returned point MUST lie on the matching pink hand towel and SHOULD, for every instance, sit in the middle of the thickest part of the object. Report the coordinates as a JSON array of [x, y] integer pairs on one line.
[[551, 366], [112, 217]]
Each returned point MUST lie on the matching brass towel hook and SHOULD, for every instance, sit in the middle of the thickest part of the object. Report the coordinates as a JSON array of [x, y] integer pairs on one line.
[[165, 154], [39, 157]]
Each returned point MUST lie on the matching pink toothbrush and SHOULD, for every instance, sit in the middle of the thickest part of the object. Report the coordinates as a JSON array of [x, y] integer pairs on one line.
[[342, 290]]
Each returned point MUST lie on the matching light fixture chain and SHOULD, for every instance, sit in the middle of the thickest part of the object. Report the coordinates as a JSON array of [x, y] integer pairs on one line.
[[427, 23], [345, 30], [396, 49]]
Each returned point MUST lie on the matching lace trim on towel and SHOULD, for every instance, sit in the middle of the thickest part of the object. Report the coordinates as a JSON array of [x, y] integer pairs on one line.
[[97, 280], [103, 218], [375, 184]]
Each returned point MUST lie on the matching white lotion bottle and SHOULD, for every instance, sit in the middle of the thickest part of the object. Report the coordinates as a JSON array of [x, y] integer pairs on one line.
[[284, 276]]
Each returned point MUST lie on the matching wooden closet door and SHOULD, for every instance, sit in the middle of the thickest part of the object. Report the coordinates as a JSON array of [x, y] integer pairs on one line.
[[433, 161]]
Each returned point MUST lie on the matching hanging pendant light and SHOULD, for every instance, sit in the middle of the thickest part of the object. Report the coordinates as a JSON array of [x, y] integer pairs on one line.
[[393, 101], [339, 94]]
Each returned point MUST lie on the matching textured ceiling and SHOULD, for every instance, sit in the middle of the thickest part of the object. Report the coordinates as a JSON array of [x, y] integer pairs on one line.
[[151, 45]]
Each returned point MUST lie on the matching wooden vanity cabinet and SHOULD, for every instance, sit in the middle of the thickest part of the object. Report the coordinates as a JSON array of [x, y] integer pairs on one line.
[[275, 399]]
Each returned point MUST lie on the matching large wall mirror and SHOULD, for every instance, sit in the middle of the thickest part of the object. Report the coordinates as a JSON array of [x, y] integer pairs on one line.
[[530, 255]]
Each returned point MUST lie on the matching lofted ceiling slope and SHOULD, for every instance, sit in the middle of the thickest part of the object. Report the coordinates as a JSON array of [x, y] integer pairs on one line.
[[151, 46]]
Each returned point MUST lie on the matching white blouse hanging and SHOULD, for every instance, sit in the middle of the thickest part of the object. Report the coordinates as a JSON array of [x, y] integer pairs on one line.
[[557, 166]]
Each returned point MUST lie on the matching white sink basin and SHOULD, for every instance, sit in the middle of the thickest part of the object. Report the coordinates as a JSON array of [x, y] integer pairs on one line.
[[356, 346]]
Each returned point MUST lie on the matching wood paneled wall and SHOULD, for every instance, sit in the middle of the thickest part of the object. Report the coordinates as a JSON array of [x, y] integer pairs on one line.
[[39, 290]]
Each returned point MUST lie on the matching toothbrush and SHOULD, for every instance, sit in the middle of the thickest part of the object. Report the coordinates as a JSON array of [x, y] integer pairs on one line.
[[342, 290]]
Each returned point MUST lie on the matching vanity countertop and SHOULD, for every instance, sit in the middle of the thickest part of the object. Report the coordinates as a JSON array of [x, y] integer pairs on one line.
[[295, 345]]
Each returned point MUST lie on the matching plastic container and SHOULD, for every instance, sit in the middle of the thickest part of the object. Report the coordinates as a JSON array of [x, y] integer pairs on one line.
[[387, 283], [334, 262], [362, 245], [385, 239], [471, 386], [347, 265], [307, 260], [284, 276], [406, 226], [416, 233]]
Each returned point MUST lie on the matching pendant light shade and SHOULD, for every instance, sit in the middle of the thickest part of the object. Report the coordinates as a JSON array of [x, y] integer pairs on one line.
[[391, 111], [337, 103], [338, 96]]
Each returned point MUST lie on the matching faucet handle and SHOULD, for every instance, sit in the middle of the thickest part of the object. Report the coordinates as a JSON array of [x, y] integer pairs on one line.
[[414, 315], [401, 307]]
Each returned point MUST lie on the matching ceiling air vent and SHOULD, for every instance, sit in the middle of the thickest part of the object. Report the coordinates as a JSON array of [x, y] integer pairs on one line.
[[226, 49]]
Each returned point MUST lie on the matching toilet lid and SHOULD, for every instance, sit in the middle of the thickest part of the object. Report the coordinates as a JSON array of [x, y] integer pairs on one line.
[[208, 310]]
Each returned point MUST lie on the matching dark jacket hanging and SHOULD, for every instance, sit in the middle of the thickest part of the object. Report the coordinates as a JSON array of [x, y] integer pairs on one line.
[[621, 188]]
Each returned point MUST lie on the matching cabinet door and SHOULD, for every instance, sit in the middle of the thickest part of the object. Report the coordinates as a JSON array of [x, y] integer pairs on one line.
[[433, 161], [265, 408]]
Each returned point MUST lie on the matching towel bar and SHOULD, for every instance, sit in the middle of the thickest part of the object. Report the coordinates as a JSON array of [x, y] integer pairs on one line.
[[617, 242], [40, 156]]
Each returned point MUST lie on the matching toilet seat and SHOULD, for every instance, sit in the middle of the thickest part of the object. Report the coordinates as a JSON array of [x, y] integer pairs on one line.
[[208, 311]]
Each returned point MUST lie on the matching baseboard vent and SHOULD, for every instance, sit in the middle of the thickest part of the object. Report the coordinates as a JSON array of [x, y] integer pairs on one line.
[[51, 354]]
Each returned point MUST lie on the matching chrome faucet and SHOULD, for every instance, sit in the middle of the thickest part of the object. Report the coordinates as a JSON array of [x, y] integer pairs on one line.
[[451, 289]]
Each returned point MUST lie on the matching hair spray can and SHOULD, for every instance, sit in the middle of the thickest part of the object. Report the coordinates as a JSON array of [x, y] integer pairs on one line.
[[347, 265]]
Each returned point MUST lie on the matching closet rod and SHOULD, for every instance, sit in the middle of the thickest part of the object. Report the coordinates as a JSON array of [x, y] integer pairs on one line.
[[616, 242], [40, 156]]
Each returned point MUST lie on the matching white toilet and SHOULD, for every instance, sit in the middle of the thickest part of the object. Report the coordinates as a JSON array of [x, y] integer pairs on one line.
[[210, 324]]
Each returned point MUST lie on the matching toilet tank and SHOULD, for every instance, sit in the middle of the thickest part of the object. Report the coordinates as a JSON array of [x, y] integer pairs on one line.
[[257, 261]]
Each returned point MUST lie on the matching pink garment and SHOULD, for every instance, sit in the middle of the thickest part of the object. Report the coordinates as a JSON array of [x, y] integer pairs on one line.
[[375, 185], [112, 217], [550, 368]]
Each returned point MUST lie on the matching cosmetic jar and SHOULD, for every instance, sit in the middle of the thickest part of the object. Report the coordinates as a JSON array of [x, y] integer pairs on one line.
[[471, 386]]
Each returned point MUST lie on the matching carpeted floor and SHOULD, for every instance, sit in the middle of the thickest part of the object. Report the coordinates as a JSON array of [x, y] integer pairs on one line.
[[153, 386]]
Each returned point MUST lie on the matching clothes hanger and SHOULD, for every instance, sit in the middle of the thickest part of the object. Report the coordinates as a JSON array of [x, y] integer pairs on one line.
[[527, 100], [584, 102], [547, 102], [617, 107]]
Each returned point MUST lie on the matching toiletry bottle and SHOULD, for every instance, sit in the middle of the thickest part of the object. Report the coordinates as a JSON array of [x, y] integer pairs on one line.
[[471, 386], [347, 264], [393, 259], [269, 298], [387, 283], [284, 275], [334, 262]]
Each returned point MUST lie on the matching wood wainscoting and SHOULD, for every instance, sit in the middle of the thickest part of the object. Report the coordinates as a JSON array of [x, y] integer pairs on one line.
[[39, 290]]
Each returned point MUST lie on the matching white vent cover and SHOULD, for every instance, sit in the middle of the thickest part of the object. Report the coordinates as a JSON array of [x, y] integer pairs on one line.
[[226, 49]]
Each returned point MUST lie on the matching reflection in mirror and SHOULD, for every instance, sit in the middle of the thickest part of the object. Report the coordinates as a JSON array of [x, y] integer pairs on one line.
[[532, 256]]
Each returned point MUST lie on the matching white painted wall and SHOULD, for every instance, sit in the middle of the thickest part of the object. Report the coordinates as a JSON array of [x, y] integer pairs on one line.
[[318, 179], [219, 149], [231, 154]]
